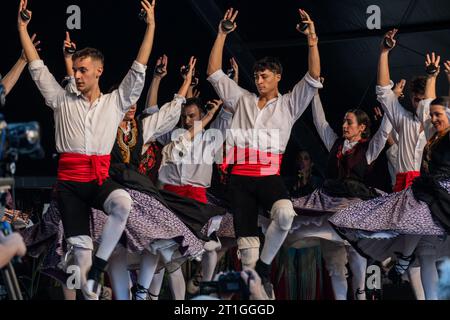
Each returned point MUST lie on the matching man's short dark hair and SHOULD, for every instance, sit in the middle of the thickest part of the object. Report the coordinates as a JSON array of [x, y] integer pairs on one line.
[[268, 63], [93, 53], [195, 101], [418, 85]]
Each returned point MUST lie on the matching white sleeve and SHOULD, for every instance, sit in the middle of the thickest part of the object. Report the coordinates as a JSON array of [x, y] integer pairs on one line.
[[227, 89], [326, 133], [391, 106], [423, 112], [131, 87], [378, 141], [151, 109], [164, 120], [46, 83], [302, 94]]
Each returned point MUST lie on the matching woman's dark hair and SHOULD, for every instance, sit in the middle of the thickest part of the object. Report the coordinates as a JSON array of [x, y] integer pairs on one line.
[[362, 118], [441, 101]]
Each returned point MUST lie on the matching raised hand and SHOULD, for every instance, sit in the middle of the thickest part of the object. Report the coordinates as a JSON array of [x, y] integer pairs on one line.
[[23, 12], [399, 88], [377, 113], [305, 19], [161, 67], [388, 41], [69, 46], [36, 45], [228, 24], [432, 64], [149, 9], [214, 105], [235, 69], [190, 73]]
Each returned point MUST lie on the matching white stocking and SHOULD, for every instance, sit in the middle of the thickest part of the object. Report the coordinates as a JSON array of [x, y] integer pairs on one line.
[[155, 287], [177, 284], [147, 268], [429, 275], [118, 272]]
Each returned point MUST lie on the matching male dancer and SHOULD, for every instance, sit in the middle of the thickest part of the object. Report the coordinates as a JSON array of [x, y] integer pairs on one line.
[[260, 129], [86, 125]]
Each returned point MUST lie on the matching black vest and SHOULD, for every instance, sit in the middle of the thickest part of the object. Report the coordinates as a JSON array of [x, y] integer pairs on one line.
[[347, 173]]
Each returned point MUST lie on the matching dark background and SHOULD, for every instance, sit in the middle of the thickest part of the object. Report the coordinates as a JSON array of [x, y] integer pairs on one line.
[[349, 51]]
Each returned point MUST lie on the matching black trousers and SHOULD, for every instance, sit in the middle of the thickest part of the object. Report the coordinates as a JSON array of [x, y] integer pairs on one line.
[[75, 200], [248, 195]]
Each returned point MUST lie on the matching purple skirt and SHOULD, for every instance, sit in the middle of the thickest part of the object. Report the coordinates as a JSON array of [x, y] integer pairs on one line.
[[380, 226], [226, 228], [144, 226]]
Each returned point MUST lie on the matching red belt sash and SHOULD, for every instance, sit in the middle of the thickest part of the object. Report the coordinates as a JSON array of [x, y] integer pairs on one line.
[[252, 162], [404, 179], [83, 168], [188, 191]]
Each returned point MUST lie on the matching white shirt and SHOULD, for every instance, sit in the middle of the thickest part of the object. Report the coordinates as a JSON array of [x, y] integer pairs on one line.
[[187, 162], [163, 120], [79, 126], [267, 129], [411, 139], [329, 137]]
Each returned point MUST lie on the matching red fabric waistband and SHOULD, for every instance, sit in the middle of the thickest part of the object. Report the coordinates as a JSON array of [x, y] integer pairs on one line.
[[404, 179], [252, 162], [188, 191], [83, 168]]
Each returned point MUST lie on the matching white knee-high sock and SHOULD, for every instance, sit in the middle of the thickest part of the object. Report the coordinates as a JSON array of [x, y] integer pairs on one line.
[[83, 259], [118, 206], [120, 277], [429, 275], [275, 237], [147, 268], [177, 284], [340, 286], [358, 265], [155, 286], [209, 262], [416, 282]]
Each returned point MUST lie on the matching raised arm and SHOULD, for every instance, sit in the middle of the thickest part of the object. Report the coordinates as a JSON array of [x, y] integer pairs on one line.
[[215, 58], [326, 133], [68, 45], [14, 74], [423, 110], [383, 77], [235, 68], [166, 119], [46, 83], [27, 44], [303, 92], [158, 74], [147, 42], [313, 51], [378, 141]]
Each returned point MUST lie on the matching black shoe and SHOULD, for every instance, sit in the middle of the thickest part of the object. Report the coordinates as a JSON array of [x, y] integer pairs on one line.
[[400, 267], [138, 289]]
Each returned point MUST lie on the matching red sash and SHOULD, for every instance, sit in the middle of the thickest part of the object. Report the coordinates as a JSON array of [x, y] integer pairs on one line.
[[83, 168], [252, 163], [404, 179], [188, 191]]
